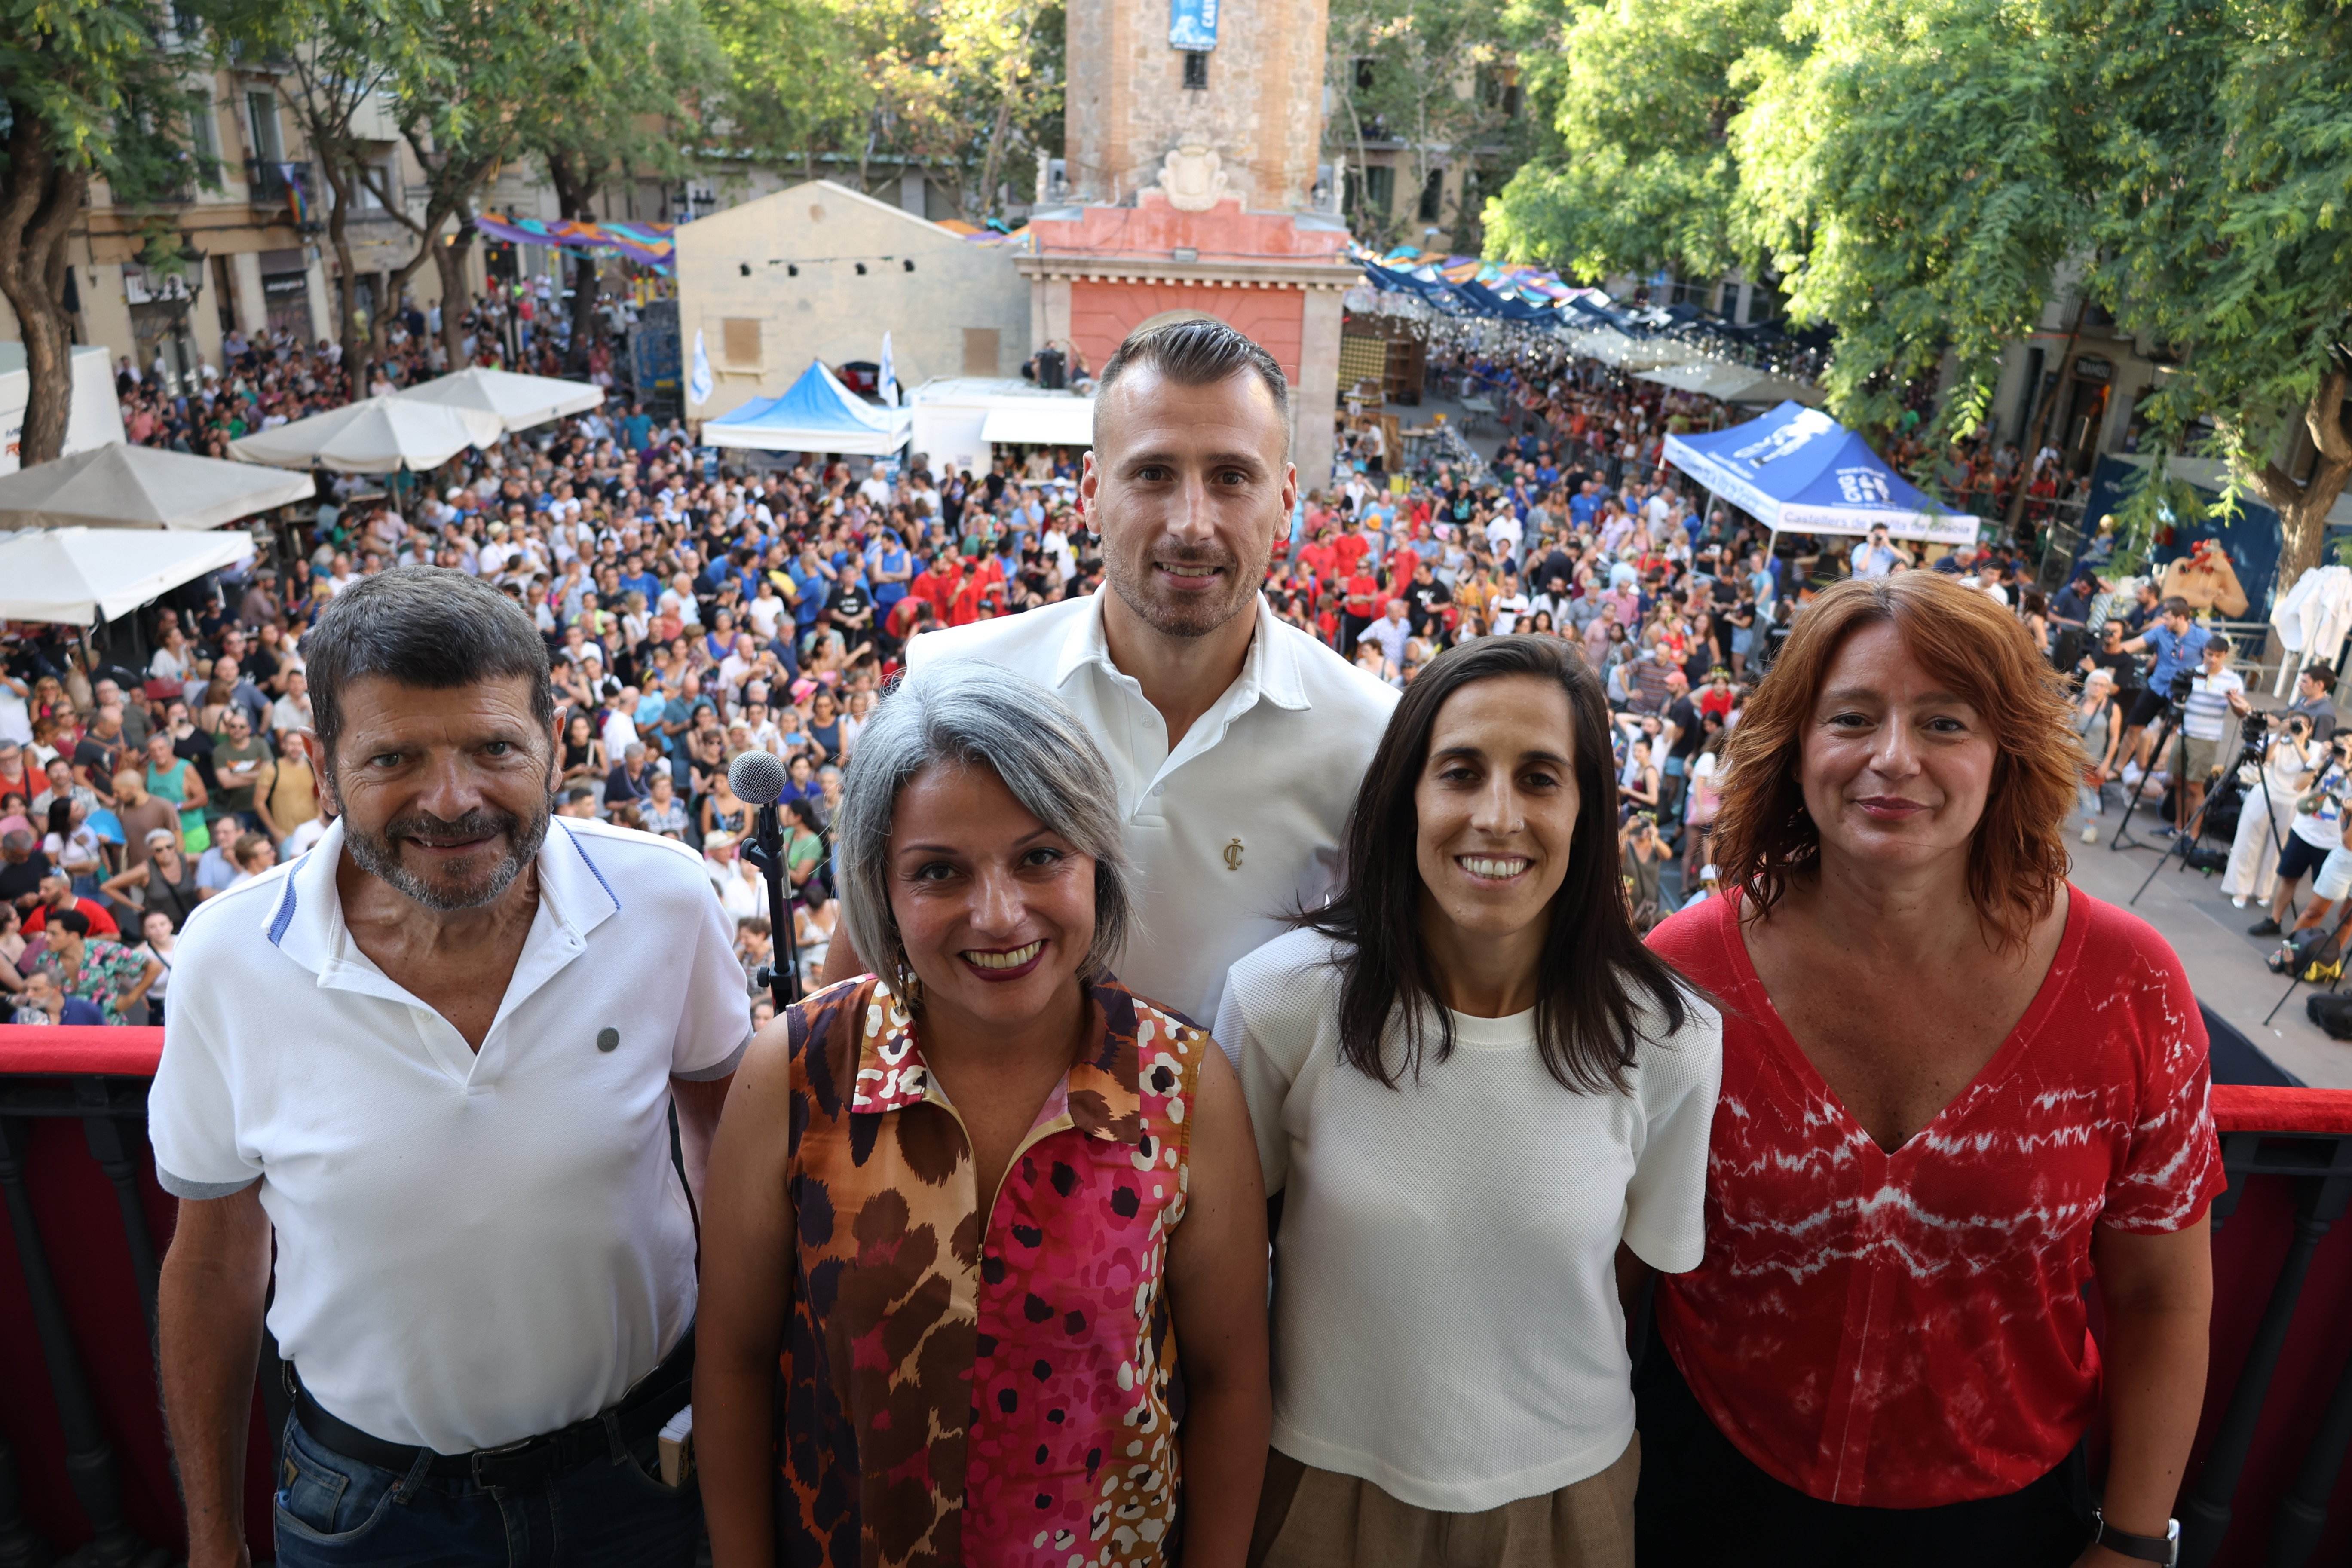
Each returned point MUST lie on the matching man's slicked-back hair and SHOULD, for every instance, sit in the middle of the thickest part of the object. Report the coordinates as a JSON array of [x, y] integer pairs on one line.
[[430, 627], [1198, 351]]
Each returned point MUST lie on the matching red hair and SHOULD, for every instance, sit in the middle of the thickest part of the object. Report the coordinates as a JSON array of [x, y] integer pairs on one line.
[[2017, 860]]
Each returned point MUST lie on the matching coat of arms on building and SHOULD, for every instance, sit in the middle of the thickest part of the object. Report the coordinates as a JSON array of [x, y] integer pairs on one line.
[[1193, 177]]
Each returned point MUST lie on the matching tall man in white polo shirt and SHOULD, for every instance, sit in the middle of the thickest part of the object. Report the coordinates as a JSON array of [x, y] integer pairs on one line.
[[1237, 742], [437, 1055]]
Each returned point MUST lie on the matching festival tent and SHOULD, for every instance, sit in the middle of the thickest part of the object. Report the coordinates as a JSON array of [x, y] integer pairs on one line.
[[375, 436], [519, 401], [815, 414], [1729, 382], [1798, 470], [119, 486], [75, 577]]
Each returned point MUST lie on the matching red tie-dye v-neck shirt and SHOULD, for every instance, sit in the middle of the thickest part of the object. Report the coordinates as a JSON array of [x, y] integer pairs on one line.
[[1905, 1329]]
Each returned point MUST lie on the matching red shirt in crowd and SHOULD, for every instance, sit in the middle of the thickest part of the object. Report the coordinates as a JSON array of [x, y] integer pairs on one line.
[[1363, 596], [1906, 1330], [101, 922], [1349, 549]]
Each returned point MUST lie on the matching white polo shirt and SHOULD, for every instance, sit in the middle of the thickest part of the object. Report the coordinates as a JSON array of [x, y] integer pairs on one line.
[[1239, 824], [472, 1248]]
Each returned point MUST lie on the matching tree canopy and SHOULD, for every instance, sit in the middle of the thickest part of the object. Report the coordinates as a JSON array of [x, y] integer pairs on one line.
[[1927, 178]]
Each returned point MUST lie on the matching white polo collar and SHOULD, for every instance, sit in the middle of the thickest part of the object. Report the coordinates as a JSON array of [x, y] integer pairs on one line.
[[305, 921], [1270, 670]]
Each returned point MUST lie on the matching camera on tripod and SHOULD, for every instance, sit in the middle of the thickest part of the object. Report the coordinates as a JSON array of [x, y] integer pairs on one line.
[[2182, 685]]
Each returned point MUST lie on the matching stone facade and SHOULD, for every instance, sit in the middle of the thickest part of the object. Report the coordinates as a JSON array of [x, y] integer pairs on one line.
[[1262, 110]]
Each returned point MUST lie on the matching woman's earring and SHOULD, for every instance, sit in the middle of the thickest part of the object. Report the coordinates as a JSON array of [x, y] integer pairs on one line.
[[905, 984]]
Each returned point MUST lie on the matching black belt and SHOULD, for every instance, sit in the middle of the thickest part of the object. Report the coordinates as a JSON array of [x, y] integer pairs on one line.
[[533, 1461]]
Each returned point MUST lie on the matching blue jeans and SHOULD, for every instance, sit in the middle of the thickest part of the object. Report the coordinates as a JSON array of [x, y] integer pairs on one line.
[[339, 1513]]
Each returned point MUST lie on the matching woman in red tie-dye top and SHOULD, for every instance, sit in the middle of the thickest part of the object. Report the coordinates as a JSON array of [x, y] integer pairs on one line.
[[1956, 1091], [973, 1206]]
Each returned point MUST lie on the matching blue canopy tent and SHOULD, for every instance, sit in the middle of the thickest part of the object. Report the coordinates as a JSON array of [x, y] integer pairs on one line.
[[1797, 470], [815, 414]]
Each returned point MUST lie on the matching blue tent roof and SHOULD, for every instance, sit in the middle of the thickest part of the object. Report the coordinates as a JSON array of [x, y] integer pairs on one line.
[[1799, 471], [815, 414]]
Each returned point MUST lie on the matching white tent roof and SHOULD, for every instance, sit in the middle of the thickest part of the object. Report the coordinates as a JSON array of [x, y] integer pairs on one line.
[[378, 436], [1047, 421], [1624, 352], [519, 401], [1733, 383], [78, 575], [119, 486]]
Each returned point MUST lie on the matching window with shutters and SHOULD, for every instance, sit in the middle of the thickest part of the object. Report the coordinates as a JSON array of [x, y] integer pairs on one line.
[[740, 339], [980, 350]]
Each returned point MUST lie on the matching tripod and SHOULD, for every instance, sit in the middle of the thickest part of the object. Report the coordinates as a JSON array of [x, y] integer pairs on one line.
[[2164, 733], [2254, 754]]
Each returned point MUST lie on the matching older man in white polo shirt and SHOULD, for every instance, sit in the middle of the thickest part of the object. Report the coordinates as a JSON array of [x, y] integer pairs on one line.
[[437, 1055], [1237, 742]]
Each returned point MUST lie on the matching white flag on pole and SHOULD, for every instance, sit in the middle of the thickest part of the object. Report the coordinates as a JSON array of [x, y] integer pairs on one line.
[[698, 383], [889, 377]]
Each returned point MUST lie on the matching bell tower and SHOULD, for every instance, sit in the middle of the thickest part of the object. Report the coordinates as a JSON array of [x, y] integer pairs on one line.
[[1239, 78], [1190, 185]]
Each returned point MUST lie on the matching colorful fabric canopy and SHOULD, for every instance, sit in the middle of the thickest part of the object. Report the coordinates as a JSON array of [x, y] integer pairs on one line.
[[650, 243]]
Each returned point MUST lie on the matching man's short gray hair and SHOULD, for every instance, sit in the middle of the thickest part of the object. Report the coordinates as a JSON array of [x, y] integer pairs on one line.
[[430, 626], [965, 714]]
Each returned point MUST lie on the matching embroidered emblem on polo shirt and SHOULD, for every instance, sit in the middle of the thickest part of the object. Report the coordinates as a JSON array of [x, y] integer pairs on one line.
[[608, 1038], [1233, 855]]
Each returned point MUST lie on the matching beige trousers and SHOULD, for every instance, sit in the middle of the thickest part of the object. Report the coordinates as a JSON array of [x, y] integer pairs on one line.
[[1308, 1518]]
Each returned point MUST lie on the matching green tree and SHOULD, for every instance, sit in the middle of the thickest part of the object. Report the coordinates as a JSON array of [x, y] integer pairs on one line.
[[1437, 77], [2224, 233], [632, 101], [342, 53], [90, 91], [967, 89], [473, 79], [1639, 172]]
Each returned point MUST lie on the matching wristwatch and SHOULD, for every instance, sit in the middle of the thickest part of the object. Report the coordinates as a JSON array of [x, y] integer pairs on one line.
[[2164, 1549]]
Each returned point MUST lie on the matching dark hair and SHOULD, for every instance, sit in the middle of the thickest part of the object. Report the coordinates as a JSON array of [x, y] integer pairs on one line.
[[1594, 967], [431, 626], [1198, 352], [73, 921], [2321, 674]]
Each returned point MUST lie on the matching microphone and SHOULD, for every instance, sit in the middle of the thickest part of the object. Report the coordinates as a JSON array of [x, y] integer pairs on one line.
[[758, 779]]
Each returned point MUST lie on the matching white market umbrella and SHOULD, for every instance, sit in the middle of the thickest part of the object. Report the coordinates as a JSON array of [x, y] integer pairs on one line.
[[517, 401], [377, 436], [75, 577], [119, 486]]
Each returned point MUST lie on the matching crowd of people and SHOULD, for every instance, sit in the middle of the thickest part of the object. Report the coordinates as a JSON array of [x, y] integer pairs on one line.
[[273, 376], [1841, 1146], [696, 611]]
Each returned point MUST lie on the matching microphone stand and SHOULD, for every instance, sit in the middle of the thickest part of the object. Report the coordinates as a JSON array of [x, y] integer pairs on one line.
[[765, 849]]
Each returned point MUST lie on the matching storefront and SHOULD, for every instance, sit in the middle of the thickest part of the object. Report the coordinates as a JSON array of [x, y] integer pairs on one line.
[[286, 292]]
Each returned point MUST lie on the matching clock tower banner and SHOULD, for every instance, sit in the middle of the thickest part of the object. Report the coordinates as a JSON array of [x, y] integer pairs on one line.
[[1192, 24]]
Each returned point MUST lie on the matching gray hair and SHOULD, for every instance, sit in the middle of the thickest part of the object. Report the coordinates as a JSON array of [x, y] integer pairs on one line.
[[969, 712], [431, 626]]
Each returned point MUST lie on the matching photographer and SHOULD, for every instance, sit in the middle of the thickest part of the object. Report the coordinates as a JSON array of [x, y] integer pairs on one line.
[[2288, 758], [2314, 839], [2314, 699], [2176, 641], [2215, 692]]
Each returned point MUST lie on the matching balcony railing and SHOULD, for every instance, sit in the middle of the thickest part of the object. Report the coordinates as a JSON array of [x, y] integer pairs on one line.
[[83, 1461]]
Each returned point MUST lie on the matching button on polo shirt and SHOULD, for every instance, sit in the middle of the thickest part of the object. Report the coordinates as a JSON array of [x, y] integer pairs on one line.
[[1234, 827], [472, 1248]]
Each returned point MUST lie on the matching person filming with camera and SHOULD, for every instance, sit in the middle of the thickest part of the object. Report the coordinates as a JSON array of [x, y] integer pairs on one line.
[[2215, 692], [2285, 761], [2177, 642], [2315, 840]]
